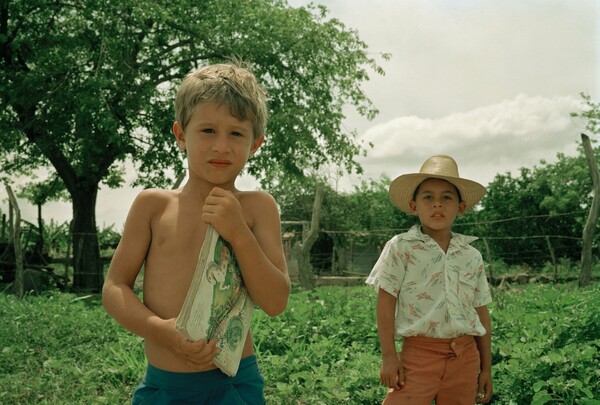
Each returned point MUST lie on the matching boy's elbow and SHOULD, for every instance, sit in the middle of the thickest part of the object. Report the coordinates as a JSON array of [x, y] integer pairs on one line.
[[278, 304], [276, 308], [105, 296]]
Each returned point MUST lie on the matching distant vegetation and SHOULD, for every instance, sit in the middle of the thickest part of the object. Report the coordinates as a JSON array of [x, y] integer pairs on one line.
[[532, 222]]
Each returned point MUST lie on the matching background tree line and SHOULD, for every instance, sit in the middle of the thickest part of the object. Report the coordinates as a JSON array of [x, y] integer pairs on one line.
[[89, 85], [518, 217]]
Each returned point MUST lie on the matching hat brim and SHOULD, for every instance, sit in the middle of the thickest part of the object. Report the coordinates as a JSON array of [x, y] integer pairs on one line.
[[403, 189]]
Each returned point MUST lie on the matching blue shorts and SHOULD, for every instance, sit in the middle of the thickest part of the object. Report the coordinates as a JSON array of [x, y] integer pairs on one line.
[[204, 387]]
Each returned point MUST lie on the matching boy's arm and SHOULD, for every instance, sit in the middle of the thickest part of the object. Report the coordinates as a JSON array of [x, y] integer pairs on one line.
[[484, 345], [123, 304], [391, 372], [258, 247]]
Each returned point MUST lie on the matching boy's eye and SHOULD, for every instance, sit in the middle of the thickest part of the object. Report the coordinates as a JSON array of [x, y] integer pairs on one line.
[[208, 130], [237, 134]]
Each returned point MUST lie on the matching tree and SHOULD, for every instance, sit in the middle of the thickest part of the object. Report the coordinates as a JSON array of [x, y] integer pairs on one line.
[[546, 200], [89, 85]]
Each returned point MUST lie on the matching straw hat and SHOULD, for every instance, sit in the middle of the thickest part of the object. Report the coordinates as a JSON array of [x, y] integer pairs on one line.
[[442, 167]]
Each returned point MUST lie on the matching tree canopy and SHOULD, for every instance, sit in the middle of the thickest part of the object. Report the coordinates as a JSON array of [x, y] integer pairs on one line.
[[89, 85]]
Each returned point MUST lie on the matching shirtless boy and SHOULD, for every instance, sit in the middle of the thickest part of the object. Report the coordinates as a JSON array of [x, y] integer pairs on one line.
[[220, 121]]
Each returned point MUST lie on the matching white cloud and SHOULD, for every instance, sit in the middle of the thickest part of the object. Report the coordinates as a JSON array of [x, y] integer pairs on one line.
[[485, 141]]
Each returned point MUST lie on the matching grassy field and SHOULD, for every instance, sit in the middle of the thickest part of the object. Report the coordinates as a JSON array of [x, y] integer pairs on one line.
[[62, 348]]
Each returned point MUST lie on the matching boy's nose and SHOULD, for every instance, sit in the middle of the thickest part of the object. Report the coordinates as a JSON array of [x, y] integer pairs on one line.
[[220, 143]]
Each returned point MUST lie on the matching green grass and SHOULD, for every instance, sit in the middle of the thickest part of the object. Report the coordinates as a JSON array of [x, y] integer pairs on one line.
[[62, 348]]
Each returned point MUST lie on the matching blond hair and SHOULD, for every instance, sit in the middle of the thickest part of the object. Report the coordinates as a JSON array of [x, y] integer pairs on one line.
[[231, 84]]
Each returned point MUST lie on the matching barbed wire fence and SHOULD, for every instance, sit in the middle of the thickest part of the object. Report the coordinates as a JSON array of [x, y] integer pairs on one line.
[[549, 251]]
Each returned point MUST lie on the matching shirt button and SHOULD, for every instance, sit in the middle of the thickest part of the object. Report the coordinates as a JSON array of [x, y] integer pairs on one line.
[[453, 343]]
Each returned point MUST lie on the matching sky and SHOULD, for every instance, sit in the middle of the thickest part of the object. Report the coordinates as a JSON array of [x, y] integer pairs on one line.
[[491, 83]]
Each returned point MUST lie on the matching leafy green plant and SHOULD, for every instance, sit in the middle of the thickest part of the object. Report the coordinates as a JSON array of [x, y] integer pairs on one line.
[[62, 348]]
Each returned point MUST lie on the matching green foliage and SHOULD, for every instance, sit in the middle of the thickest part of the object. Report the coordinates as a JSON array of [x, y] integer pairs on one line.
[[56, 238], [322, 350], [60, 348], [63, 348], [547, 200], [51, 189], [90, 85], [545, 346], [82, 81]]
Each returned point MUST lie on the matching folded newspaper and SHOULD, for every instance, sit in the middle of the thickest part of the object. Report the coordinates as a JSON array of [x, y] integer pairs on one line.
[[217, 304]]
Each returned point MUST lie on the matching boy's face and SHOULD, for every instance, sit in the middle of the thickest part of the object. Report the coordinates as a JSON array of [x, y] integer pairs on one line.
[[437, 205], [218, 145]]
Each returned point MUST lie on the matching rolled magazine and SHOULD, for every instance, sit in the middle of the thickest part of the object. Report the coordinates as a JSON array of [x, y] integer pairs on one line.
[[217, 304]]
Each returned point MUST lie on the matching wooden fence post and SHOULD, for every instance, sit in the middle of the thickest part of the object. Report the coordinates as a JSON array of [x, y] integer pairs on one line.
[[553, 258], [488, 254], [588, 230], [3, 237], [306, 275]]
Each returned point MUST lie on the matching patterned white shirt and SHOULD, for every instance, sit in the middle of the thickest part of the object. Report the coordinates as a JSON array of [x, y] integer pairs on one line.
[[436, 292]]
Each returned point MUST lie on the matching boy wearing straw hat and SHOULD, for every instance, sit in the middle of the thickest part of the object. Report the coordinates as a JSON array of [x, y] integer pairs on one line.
[[432, 294]]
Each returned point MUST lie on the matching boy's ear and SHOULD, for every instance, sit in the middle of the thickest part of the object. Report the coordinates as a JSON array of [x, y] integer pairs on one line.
[[256, 144], [179, 136], [413, 206], [462, 207]]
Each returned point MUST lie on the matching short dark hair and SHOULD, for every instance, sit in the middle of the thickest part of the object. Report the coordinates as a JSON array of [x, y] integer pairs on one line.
[[414, 197]]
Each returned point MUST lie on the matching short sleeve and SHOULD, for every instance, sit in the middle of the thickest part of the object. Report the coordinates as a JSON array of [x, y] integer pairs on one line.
[[388, 272], [483, 294]]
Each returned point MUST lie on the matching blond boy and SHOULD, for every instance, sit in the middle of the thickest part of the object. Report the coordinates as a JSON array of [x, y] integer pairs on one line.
[[220, 120]]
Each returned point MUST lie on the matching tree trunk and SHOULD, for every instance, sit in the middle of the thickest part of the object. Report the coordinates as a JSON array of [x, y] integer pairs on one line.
[[39, 244], [88, 272], [306, 275], [18, 287], [592, 221]]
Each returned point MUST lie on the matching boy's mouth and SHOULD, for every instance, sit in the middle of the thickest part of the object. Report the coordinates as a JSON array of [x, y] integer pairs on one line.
[[219, 162]]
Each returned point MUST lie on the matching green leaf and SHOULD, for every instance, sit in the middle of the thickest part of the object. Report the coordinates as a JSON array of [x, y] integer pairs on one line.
[[541, 398], [538, 385]]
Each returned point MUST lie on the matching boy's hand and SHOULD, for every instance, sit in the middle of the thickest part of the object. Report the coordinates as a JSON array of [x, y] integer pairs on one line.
[[198, 355], [392, 372], [484, 387], [223, 211]]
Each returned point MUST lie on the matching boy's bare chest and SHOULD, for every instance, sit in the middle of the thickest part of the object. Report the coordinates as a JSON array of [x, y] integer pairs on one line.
[[171, 260], [178, 236]]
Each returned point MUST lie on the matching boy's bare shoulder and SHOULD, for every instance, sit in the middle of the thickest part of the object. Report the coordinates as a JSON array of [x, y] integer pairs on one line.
[[152, 200], [158, 194], [255, 197], [259, 207]]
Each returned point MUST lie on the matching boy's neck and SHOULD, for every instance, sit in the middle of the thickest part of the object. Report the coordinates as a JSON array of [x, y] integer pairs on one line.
[[201, 189], [442, 236]]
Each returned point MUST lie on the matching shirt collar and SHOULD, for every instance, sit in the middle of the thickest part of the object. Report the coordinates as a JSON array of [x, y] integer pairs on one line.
[[457, 240]]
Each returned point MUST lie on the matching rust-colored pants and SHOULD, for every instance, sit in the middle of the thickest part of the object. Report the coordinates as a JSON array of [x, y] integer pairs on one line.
[[444, 370]]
